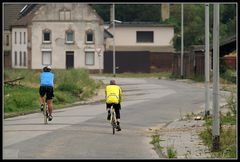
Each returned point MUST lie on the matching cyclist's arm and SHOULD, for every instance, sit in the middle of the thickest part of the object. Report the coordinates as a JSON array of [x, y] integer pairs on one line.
[[106, 94], [120, 95], [53, 79]]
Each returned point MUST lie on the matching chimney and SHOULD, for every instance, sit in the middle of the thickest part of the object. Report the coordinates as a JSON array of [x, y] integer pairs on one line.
[[165, 11]]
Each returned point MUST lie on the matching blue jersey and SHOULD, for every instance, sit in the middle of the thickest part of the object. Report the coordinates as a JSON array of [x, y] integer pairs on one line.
[[46, 79]]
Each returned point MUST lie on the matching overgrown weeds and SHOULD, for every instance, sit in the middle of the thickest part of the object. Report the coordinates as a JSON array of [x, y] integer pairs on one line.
[[227, 132], [69, 86]]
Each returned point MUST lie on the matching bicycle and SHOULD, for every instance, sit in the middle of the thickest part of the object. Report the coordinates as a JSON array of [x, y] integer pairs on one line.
[[45, 111], [113, 119]]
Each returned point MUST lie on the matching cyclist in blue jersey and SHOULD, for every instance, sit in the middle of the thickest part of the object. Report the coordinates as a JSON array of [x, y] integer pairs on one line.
[[46, 87]]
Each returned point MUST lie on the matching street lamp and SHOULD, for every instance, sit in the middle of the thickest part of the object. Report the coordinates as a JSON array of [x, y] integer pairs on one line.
[[216, 121], [207, 112], [114, 21], [182, 51]]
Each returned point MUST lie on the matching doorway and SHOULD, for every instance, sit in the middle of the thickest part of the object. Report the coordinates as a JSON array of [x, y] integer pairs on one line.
[[69, 59]]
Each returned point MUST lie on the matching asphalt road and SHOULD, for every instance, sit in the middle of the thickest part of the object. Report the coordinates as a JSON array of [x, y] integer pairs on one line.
[[82, 132]]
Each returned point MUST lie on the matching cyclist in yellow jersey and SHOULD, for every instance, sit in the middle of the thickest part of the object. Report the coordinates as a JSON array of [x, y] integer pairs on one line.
[[113, 95]]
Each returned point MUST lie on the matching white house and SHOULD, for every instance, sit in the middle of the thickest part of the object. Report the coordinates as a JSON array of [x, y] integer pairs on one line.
[[63, 35], [19, 47], [10, 15]]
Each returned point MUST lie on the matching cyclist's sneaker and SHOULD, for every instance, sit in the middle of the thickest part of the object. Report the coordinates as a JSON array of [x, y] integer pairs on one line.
[[118, 128], [108, 117], [41, 107], [50, 117]]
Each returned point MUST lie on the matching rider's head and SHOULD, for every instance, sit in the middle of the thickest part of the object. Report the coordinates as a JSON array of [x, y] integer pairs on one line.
[[112, 82], [47, 68]]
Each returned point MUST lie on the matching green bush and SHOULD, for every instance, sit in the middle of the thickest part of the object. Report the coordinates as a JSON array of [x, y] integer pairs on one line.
[[171, 153], [74, 81], [20, 98], [174, 76], [63, 98], [227, 136], [69, 86], [197, 78], [231, 103], [229, 75], [31, 76]]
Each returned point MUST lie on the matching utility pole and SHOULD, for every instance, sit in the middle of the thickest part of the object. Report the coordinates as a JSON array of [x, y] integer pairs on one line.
[[114, 61], [182, 40], [216, 122], [207, 112]]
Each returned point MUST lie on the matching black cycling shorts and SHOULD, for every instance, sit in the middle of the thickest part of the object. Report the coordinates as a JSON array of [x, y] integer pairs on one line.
[[116, 107], [48, 90]]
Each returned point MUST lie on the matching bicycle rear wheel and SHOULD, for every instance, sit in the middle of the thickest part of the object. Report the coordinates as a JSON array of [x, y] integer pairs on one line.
[[45, 113], [113, 129], [113, 121]]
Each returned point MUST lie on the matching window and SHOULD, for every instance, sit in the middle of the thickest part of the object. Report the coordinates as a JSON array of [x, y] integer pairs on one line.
[[65, 14], [69, 36], [46, 57], [20, 59], [24, 58], [89, 35], [89, 58], [46, 36], [145, 36], [20, 40], [15, 58], [61, 15], [7, 40], [24, 37], [15, 37]]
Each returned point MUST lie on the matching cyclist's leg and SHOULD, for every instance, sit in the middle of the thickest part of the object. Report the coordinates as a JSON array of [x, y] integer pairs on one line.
[[108, 108], [117, 111], [41, 98], [117, 108], [50, 100]]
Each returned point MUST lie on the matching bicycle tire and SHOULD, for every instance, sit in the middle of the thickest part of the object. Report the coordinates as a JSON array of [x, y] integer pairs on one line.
[[113, 129], [113, 120], [45, 113]]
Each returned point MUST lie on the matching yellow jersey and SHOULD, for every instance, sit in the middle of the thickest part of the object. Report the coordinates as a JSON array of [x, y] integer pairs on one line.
[[113, 94]]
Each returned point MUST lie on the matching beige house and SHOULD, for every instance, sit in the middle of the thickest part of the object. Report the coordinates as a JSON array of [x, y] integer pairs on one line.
[[63, 35], [142, 35], [140, 47]]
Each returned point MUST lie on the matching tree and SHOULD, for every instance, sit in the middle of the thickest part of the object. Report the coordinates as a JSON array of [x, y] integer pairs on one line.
[[194, 19], [103, 10], [130, 12], [194, 23]]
